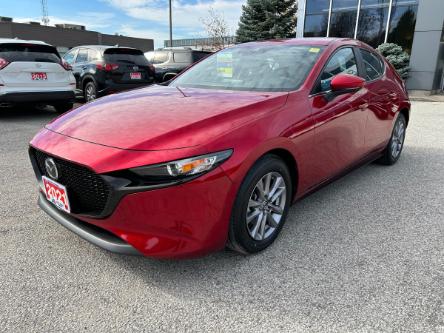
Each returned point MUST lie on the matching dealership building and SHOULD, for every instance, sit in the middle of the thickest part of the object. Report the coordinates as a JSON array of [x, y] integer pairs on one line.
[[416, 25], [67, 36]]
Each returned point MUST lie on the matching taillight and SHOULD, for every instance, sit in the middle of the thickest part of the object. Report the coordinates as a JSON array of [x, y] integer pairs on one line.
[[106, 67], [152, 68], [3, 63], [66, 66]]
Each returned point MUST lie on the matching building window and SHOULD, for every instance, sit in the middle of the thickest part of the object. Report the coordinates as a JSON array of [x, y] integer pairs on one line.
[[316, 18], [373, 21], [343, 18], [402, 23]]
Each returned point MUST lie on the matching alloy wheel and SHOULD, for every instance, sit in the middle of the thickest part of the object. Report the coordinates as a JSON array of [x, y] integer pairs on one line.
[[398, 137], [90, 93], [266, 206]]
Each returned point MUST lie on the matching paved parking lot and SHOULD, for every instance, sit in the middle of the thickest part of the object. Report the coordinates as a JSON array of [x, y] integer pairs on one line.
[[365, 253]]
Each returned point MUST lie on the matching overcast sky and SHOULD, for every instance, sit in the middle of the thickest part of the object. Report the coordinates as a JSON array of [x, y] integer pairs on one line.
[[137, 18]]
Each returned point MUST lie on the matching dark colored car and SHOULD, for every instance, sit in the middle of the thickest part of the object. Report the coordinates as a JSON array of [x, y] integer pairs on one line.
[[216, 157], [100, 70], [171, 61]]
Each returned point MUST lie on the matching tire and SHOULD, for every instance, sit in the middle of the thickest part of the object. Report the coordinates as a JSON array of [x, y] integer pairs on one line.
[[242, 237], [393, 150], [63, 107], [90, 91]]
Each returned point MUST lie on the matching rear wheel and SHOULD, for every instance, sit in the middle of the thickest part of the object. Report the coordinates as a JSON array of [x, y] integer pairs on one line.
[[63, 107], [394, 148], [261, 206], [90, 91]]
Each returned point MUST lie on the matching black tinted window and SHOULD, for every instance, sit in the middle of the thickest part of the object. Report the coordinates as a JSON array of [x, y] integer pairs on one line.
[[29, 52], [82, 56], [126, 56], [199, 55], [342, 62], [372, 65]]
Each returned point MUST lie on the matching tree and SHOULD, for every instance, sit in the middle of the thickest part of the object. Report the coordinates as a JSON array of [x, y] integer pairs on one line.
[[216, 28], [397, 57], [267, 19]]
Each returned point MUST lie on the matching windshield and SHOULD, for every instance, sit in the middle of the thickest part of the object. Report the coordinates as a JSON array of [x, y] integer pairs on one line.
[[29, 52], [253, 68], [128, 56]]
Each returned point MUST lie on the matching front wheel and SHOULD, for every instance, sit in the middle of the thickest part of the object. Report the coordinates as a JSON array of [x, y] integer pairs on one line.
[[393, 150], [261, 206]]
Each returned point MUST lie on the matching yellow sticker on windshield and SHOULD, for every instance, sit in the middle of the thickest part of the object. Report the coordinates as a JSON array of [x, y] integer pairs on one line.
[[225, 64], [314, 50]]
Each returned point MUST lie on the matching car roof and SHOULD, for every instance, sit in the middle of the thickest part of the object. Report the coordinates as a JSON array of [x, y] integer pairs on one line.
[[324, 41], [21, 41], [104, 47]]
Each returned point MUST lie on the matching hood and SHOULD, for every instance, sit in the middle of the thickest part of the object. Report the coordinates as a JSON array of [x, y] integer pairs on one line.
[[162, 117]]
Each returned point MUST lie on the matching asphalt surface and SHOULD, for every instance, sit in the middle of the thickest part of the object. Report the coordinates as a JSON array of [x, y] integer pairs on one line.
[[364, 254]]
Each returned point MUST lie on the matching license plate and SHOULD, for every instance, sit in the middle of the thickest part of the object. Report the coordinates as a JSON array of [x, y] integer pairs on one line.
[[57, 194], [39, 76], [136, 76]]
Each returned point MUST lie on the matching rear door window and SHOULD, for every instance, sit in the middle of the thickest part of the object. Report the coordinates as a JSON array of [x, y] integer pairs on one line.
[[373, 66], [82, 56], [12, 52], [125, 56]]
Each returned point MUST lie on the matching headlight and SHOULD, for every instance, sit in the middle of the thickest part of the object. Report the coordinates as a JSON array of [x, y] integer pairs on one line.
[[185, 168]]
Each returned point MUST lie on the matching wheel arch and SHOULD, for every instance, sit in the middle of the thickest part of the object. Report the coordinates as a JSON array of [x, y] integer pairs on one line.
[[291, 163], [86, 79], [406, 113]]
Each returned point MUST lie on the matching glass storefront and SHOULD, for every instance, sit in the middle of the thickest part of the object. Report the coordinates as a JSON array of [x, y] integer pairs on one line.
[[366, 20]]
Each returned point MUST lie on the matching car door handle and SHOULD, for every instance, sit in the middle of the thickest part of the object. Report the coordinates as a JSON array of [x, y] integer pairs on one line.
[[393, 96], [363, 106]]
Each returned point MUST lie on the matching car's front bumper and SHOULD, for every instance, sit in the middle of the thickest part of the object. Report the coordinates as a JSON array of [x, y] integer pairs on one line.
[[180, 221], [36, 97], [186, 220], [96, 236]]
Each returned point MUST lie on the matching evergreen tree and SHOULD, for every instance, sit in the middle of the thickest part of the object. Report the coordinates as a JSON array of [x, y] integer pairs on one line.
[[267, 19], [397, 57]]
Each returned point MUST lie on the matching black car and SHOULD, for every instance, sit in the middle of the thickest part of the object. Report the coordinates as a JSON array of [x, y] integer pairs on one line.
[[171, 61], [101, 70]]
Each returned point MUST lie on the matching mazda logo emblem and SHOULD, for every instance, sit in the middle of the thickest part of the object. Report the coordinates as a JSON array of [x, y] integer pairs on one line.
[[135, 68], [51, 168]]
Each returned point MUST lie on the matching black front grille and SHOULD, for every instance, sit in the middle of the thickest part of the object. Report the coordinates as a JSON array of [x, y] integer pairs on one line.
[[88, 193]]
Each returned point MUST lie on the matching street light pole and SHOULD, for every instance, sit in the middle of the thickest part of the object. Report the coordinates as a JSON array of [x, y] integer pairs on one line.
[[171, 25]]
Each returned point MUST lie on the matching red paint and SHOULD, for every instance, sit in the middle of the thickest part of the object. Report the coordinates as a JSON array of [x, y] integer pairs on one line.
[[159, 124], [346, 81]]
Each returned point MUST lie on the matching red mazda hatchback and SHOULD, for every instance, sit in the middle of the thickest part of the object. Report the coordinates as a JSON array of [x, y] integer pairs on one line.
[[216, 157]]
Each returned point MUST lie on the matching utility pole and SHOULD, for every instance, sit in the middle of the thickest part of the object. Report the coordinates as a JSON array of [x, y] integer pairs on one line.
[[171, 25], [45, 18]]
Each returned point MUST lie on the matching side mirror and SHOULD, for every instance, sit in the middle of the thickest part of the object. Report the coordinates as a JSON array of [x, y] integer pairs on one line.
[[343, 83]]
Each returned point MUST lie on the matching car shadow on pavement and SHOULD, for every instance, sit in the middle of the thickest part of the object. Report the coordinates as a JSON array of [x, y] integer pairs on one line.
[[26, 112], [351, 249]]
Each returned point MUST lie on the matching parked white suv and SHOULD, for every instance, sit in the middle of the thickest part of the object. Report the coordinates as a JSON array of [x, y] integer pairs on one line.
[[33, 72]]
